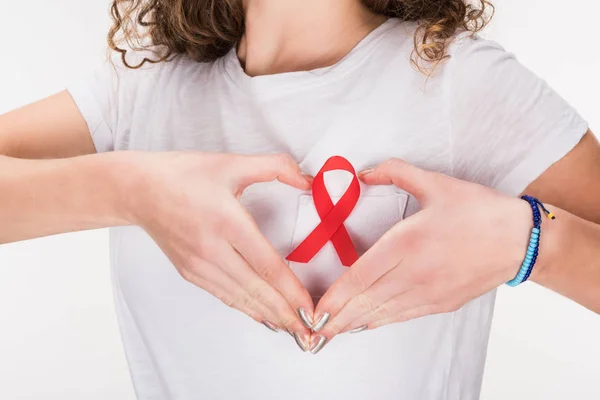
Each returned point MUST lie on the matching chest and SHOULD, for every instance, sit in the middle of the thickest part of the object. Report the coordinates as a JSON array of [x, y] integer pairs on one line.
[[392, 116], [365, 125]]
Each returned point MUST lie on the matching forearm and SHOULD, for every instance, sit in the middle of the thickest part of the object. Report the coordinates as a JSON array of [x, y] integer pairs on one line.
[[570, 258], [45, 197]]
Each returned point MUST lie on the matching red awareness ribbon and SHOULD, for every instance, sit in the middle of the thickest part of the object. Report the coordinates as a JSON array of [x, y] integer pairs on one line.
[[332, 216]]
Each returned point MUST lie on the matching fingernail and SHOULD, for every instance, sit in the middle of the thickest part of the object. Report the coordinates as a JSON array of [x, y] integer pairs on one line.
[[308, 178], [306, 319], [365, 172], [288, 331], [271, 326], [317, 344], [300, 342], [321, 323], [359, 329]]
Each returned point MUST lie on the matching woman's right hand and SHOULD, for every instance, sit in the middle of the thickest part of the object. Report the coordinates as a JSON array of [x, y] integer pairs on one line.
[[189, 203]]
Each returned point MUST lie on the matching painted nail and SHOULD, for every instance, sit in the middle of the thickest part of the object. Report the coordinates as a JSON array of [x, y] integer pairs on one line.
[[359, 329], [306, 319], [317, 344], [300, 342], [321, 323], [271, 326]]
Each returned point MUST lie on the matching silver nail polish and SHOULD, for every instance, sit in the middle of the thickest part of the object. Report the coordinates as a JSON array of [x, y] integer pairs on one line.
[[306, 319], [316, 347], [319, 325], [271, 326], [299, 342], [359, 329]]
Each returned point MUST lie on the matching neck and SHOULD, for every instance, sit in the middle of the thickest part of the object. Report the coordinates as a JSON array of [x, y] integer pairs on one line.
[[285, 35]]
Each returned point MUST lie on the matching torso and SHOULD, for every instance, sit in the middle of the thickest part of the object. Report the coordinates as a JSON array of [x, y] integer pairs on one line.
[[182, 343]]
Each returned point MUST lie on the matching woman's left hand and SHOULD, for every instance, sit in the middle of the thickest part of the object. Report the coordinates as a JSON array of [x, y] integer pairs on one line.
[[467, 240]]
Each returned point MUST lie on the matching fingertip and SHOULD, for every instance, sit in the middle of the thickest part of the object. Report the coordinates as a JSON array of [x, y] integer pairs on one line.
[[296, 181], [308, 178], [365, 172], [307, 182], [372, 178]]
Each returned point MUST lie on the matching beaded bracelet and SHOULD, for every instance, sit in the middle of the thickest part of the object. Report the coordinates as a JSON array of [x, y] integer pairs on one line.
[[534, 241]]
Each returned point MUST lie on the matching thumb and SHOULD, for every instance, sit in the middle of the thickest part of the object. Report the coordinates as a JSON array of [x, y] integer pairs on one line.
[[418, 182], [266, 168]]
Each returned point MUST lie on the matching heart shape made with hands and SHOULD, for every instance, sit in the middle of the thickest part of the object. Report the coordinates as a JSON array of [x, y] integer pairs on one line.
[[332, 217]]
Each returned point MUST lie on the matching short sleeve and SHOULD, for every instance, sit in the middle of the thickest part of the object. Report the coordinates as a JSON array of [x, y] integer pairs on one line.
[[96, 96], [507, 125]]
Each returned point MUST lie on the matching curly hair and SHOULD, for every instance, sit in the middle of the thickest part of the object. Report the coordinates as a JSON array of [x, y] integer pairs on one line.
[[205, 30]]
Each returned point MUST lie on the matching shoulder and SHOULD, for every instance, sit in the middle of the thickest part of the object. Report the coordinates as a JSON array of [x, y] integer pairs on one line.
[[471, 56], [139, 68], [468, 56]]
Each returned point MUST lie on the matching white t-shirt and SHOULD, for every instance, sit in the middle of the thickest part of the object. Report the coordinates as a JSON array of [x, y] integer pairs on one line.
[[483, 118]]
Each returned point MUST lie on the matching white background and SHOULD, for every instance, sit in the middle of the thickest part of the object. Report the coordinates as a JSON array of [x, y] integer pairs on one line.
[[58, 333]]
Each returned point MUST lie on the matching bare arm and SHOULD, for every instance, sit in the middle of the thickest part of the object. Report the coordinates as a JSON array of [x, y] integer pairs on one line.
[[572, 185], [469, 239], [70, 189], [49, 128], [45, 197], [51, 182]]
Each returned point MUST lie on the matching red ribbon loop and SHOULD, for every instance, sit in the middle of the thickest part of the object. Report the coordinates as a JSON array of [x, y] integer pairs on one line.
[[332, 216]]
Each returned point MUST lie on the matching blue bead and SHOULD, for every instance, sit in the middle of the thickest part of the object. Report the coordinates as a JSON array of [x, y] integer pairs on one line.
[[534, 243]]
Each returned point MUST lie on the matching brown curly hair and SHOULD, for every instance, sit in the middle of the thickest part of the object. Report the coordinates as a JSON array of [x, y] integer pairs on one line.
[[207, 29]]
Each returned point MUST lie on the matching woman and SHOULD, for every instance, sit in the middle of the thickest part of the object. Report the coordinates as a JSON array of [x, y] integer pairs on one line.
[[267, 91]]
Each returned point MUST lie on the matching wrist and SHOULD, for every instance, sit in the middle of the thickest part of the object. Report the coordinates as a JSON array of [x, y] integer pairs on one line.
[[550, 239], [518, 226], [534, 253], [123, 178]]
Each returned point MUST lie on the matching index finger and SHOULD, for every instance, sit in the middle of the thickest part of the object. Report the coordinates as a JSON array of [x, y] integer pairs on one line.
[[372, 266], [269, 265], [266, 168]]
